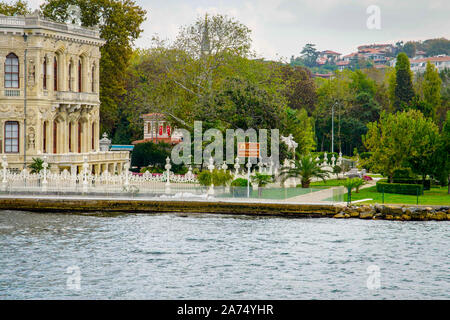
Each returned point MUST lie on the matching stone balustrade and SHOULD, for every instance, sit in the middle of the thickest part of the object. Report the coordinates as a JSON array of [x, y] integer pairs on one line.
[[69, 97]]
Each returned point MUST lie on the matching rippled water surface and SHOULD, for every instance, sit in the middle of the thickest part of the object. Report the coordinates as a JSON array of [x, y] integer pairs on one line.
[[220, 257]]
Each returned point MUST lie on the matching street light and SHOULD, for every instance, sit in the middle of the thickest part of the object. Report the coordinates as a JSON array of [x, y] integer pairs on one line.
[[332, 126]]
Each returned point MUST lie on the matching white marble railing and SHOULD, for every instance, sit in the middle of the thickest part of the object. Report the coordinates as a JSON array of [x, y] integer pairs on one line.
[[70, 97], [78, 158]]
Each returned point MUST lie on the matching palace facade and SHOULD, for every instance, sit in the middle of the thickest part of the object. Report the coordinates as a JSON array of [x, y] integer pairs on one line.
[[49, 105]]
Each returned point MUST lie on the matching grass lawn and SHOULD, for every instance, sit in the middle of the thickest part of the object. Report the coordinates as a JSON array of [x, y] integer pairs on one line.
[[435, 196], [375, 175], [328, 183], [275, 193]]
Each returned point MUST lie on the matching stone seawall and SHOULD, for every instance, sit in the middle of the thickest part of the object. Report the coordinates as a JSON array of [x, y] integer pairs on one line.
[[109, 206]]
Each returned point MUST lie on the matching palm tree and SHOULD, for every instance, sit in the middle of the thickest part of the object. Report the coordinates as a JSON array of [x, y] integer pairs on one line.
[[261, 180], [354, 183], [37, 165], [306, 168]]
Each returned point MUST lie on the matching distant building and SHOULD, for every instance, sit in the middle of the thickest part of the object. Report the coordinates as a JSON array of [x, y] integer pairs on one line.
[[157, 129], [323, 75], [343, 64], [327, 56], [419, 54], [419, 65]]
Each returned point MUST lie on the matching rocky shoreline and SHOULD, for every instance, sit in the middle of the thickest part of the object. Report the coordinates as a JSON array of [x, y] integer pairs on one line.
[[392, 212]]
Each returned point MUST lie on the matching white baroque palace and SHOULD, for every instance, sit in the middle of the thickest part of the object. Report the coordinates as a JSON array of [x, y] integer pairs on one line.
[[49, 105]]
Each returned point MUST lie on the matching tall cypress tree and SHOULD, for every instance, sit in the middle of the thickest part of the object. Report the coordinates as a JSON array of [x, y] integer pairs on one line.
[[404, 91], [432, 89]]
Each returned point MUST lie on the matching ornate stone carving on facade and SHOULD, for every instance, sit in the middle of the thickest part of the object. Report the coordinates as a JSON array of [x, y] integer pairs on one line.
[[31, 138], [31, 73]]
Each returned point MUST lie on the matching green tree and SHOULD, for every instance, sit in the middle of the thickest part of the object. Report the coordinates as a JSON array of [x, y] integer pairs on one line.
[[37, 165], [441, 167], [18, 8], [305, 168], [432, 89], [403, 90], [402, 140], [150, 154], [120, 25], [410, 48], [300, 88], [309, 55], [261, 180], [302, 129]]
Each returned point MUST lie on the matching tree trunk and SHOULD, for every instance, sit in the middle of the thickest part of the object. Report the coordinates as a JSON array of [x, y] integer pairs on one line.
[[259, 192], [305, 183]]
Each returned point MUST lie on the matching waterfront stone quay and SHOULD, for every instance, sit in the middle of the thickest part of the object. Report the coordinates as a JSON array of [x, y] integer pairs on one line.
[[106, 206]]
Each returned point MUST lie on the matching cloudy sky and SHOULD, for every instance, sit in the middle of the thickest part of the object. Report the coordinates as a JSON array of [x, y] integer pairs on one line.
[[280, 28]]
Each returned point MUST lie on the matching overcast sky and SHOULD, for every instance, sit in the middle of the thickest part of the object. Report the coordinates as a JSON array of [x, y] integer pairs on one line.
[[280, 28]]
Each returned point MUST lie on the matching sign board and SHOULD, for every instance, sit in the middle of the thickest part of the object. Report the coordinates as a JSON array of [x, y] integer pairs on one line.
[[248, 149]]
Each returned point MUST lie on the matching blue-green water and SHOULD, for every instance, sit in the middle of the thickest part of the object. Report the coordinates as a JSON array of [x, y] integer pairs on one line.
[[219, 257]]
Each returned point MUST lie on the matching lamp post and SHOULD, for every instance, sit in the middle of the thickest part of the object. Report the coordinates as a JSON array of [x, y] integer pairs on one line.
[[25, 38], [332, 127]]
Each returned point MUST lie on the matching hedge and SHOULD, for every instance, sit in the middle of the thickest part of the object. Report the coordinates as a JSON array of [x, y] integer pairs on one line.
[[239, 187], [399, 188], [426, 184]]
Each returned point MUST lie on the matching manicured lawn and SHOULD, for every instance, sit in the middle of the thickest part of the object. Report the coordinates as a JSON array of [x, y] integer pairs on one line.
[[375, 175], [435, 196], [328, 183], [275, 193]]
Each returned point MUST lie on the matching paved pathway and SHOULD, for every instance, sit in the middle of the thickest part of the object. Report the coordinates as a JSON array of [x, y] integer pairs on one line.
[[322, 196]]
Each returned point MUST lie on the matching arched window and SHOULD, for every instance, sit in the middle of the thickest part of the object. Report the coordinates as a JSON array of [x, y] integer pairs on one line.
[[12, 71], [70, 136], [11, 137], [44, 74], [80, 129], [70, 76], [55, 74], [55, 136], [79, 76], [93, 137], [93, 79], [44, 137]]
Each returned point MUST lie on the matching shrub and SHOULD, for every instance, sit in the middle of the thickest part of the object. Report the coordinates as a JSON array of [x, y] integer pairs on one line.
[[403, 174], [239, 187], [399, 188], [204, 178], [217, 178], [426, 184], [365, 155], [221, 178], [354, 183]]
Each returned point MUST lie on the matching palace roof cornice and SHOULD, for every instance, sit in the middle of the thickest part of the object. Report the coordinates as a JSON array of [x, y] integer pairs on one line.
[[35, 24]]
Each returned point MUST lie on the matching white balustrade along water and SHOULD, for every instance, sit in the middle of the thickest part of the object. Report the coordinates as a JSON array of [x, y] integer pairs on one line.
[[153, 184]]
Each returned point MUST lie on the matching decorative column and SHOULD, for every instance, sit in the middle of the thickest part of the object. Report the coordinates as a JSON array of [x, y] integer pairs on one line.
[[168, 166], [85, 171], [127, 178], [236, 167], [211, 168], [260, 165], [44, 181], [249, 166], [4, 166]]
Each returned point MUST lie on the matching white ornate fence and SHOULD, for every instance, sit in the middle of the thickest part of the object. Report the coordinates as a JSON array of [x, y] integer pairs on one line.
[[129, 183]]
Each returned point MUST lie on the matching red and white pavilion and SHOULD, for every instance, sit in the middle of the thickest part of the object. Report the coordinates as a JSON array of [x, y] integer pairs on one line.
[[157, 129]]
